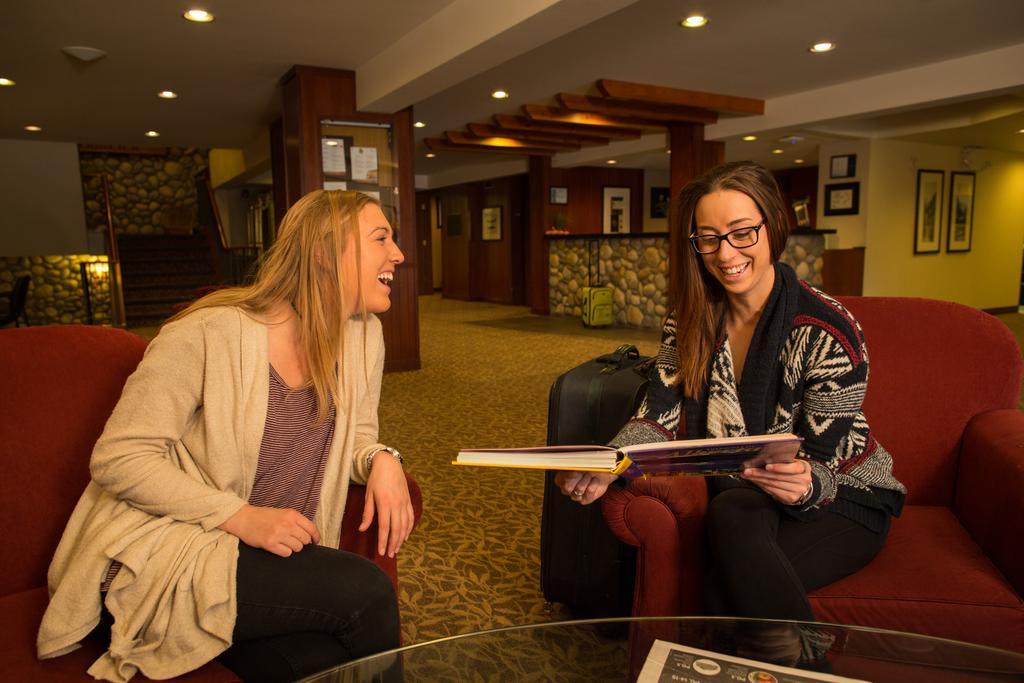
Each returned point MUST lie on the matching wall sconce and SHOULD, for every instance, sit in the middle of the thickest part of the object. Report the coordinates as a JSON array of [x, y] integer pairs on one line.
[[98, 269], [94, 271]]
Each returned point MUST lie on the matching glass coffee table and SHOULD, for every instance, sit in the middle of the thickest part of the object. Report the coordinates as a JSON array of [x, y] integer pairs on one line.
[[615, 650]]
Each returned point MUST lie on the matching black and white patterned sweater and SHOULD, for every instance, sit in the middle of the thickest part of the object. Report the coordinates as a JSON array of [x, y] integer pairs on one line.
[[806, 373]]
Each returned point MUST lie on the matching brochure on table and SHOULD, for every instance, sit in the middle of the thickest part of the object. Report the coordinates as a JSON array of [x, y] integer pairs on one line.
[[674, 663]]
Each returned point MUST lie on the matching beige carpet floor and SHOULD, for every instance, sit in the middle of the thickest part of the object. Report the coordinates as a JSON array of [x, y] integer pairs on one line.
[[474, 560]]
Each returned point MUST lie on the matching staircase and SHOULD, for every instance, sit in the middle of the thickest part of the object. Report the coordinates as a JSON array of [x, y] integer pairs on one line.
[[159, 271]]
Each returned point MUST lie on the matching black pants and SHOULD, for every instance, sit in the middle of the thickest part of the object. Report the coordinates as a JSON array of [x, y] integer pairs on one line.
[[763, 562], [308, 612]]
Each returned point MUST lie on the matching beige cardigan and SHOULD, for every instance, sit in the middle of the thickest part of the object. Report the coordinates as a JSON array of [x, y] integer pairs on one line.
[[177, 458]]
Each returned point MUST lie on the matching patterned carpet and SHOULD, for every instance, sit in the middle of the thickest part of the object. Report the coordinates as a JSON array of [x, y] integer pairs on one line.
[[474, 560]]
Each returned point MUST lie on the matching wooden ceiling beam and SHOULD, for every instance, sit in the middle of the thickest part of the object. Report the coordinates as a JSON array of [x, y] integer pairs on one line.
[[460, 138], [484, 130], [625, 109], [545, 114], [524, 124], [444, 145], [657, 94]]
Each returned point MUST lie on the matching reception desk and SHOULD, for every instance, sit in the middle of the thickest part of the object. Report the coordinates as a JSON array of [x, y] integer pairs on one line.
[[636, 267]]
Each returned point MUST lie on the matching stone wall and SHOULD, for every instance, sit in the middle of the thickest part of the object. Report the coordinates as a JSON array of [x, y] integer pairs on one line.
[[56, 295], [636, 268], [150, 194], [806, 254]]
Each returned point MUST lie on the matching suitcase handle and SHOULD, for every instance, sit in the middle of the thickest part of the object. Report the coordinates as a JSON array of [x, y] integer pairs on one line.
[[615, 358]]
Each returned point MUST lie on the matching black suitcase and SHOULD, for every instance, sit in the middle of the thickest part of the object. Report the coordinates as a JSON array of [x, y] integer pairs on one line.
[[582, 565]]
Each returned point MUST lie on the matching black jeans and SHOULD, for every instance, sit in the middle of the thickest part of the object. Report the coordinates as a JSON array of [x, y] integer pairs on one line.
[[308, 612], [763, 562]]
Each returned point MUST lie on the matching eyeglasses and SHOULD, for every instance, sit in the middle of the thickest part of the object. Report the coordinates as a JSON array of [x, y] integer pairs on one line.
[[740, 238]]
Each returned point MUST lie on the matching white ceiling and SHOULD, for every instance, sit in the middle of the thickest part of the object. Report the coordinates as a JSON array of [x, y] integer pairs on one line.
[[444, 56]]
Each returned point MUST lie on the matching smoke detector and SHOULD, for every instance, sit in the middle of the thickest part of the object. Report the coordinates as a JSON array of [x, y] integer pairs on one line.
[[83, 53]]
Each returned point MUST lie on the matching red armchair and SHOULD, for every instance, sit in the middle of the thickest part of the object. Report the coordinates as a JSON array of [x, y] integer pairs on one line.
[[942, 397], [60, 385]]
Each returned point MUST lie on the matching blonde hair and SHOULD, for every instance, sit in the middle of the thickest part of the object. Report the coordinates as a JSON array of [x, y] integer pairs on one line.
[[304, 269]]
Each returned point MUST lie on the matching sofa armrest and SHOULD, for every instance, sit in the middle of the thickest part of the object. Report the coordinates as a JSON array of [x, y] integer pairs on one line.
[[989, 485], [365, 542], [664, 518]]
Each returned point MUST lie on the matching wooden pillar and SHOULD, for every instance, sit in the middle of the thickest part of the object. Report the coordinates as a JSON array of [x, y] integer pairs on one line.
[[536, 242], [309, 95], [402, 323], [712, 154], [686, 140], [691, 156]]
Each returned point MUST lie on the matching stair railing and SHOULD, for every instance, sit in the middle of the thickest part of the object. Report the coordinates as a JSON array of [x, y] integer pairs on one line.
[[117, 311], [232, 263]]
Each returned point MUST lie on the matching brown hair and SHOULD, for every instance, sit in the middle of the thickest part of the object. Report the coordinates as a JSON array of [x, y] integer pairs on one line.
[[698, 298], [304, 269]]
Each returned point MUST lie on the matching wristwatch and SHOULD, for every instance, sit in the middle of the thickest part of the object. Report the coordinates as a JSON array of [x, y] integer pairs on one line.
[[394, 454]]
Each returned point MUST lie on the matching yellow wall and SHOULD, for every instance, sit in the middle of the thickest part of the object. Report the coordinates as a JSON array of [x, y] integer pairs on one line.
[[225, 164], [989, 275]]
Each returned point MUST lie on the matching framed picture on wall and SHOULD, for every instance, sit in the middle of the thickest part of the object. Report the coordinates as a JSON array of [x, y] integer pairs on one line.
[[659, 202], [616, 210], [491, 231], [928, 212], [558, 195], [960, 221], [842, 199], [802, 213], [843, 166]]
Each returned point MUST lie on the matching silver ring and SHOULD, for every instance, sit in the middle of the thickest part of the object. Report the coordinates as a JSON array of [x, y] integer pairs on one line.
[[577, 494]]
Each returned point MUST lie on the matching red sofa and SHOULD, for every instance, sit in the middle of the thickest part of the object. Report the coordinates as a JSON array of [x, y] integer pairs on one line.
[[942, 398], [60, 385]]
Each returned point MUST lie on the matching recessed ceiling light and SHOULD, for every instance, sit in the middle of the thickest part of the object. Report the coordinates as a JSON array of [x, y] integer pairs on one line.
[[430, 155], [776, 151], [1021, 130], [823, 46], [167, 95], [749, 138], [612, 162], [200, 16], [798, 161], [152, 134], [419, 124], [6, 81], [500, 95], [33, 129], [694, 21], [332, 143]]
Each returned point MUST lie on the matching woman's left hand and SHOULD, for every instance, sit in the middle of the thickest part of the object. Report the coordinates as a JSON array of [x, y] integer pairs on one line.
[[786, 482], [387, 496]]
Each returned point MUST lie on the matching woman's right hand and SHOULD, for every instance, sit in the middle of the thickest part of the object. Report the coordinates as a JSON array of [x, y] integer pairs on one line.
[[584, 487], [276, 530]]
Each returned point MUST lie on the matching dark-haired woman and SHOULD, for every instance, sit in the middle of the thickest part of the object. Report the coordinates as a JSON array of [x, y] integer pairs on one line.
[[749, 349]]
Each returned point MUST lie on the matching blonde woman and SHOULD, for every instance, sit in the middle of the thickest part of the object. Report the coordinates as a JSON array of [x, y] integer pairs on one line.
[[211, 523]]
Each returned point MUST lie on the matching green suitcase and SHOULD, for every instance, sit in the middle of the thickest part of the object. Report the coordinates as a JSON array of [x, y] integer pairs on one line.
[[597, 306]]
